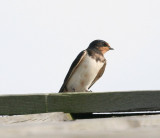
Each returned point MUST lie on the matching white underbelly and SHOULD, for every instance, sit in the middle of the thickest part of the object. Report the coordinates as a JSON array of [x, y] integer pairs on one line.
[[84, 75]]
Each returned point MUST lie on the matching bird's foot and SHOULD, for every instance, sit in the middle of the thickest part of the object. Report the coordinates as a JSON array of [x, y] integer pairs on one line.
[[88, 91], [73, 89]]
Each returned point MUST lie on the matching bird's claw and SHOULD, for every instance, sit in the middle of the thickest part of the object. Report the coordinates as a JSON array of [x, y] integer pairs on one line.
[[88, 91]]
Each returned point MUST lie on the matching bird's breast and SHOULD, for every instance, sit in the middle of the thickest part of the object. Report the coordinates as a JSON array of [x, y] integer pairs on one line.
[[84, 74]]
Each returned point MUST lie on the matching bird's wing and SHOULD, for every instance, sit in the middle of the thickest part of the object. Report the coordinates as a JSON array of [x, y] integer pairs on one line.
[[100, 73], [74, 65]]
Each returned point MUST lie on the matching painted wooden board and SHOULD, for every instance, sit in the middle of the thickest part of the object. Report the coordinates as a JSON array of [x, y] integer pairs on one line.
[[105, 102], [87, 102], [22, 104]]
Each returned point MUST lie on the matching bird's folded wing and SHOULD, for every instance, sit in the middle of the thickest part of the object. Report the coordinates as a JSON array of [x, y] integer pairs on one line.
[[74, 65]]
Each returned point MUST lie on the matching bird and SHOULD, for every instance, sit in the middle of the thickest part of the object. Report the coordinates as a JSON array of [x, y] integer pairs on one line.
[[87, 68]]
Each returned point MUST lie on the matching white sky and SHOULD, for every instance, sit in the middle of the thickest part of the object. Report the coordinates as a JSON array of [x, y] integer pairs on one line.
[[39, 39]]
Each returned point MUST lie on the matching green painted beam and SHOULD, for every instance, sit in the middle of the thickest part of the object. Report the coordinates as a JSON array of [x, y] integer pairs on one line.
[[81, 102], [22, 104], [105, 102]]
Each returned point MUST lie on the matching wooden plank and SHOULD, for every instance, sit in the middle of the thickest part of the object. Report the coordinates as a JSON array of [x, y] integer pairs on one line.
[[104, 102], [80, 102], [22, 104]]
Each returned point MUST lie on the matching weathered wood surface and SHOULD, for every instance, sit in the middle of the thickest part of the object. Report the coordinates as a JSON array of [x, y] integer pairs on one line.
[[80, 102], [52, 125]]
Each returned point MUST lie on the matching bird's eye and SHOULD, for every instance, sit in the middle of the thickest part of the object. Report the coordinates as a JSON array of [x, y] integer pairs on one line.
[[104, 44]]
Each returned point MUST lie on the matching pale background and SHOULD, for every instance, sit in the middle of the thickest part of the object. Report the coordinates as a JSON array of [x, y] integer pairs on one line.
[[39, 39]]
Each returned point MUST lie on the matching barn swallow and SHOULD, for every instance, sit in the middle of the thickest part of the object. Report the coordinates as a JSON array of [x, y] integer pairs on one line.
[[87, 68]]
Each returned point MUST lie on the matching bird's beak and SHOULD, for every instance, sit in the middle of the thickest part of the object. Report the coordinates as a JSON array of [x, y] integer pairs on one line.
[[110, 48]]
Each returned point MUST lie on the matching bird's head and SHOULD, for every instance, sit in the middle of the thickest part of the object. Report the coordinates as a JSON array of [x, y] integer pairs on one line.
[[100, 45]]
